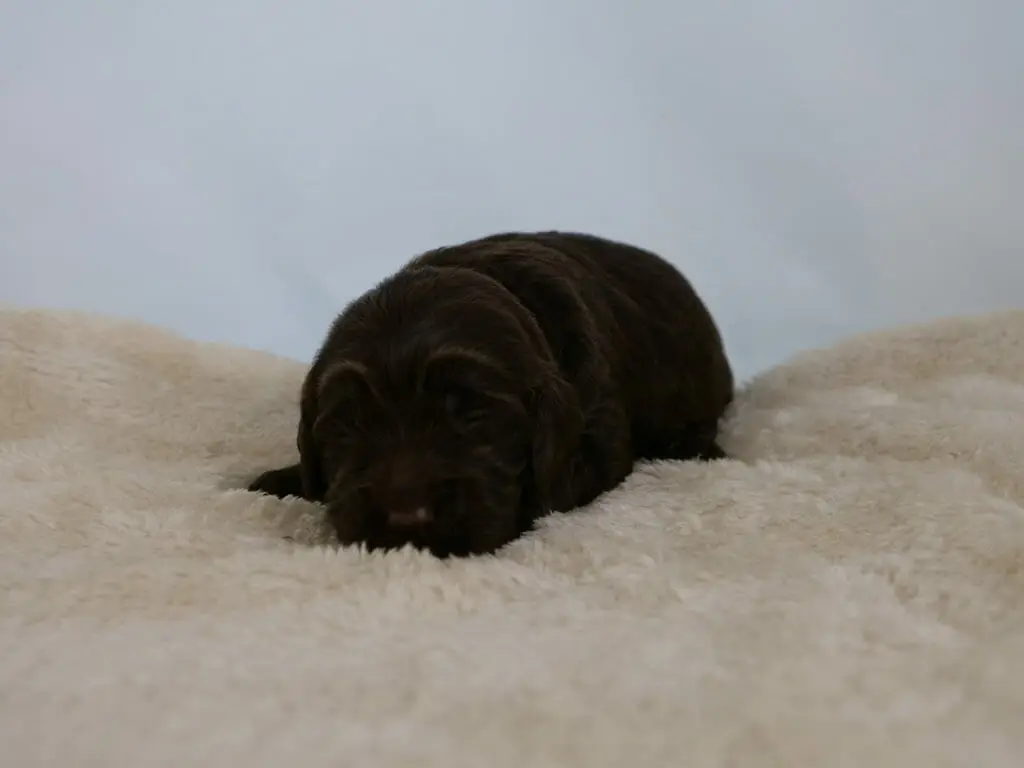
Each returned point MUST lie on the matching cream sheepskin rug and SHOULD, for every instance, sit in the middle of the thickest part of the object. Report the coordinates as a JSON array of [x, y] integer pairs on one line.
[[849, 591]]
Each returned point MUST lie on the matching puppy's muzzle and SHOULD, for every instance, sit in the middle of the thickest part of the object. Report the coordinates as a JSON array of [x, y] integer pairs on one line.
[[410, 519], [404, 492]]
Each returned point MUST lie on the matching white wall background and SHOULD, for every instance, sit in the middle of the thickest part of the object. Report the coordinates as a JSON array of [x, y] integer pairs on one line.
[[238, 169]]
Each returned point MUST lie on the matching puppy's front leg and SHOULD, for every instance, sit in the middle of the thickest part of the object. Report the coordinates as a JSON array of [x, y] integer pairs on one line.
[[281, 483]]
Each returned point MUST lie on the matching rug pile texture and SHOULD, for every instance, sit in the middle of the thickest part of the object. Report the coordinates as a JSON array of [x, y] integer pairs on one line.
[[847, 591]]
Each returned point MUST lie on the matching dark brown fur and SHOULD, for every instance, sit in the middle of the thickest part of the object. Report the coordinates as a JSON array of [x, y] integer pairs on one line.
[[492, 382]]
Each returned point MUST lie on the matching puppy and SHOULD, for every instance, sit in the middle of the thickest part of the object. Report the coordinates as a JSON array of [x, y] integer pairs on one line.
[[486, 384]]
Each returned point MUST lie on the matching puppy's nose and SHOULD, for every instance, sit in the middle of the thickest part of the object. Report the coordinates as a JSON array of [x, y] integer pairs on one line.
[[410, 518]]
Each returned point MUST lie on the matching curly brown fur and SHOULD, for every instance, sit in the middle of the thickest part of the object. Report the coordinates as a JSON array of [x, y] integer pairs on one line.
[[486, 384]]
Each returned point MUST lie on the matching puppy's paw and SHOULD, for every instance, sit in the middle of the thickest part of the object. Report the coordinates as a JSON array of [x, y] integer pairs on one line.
[[279, 482]]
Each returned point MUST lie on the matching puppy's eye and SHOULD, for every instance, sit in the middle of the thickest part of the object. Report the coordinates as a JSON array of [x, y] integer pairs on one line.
[[455, 401], [461, 404]]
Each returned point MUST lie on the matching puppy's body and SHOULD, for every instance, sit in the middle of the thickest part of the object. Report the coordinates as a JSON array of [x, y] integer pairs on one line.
[[488, 383]]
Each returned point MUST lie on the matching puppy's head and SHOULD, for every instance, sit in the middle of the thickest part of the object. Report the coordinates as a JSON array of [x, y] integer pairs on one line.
[[434, 415]]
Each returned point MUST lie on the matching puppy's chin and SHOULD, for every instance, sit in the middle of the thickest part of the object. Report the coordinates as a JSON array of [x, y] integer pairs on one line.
[[476, 518]]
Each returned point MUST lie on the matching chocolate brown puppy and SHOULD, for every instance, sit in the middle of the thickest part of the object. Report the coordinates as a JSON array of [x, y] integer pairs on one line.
[[486, 384]]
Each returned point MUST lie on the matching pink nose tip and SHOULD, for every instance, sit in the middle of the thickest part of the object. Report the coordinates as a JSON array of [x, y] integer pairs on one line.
[[410, 518]]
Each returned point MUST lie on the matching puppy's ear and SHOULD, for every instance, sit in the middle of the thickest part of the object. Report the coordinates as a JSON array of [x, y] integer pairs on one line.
[[313, 484], [558, 426]]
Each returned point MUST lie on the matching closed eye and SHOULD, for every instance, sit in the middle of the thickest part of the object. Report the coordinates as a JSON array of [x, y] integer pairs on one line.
[[465, 405], [496, 414]]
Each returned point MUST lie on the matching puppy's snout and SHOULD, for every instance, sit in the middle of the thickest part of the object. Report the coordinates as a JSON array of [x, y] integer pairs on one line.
[[410, 518], [401, 493]]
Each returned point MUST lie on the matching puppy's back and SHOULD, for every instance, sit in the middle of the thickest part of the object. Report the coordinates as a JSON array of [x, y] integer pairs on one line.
[[678, 349], [659, 336]]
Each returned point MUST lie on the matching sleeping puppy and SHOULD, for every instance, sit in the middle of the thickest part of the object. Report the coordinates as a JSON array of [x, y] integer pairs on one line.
[[486, 384]]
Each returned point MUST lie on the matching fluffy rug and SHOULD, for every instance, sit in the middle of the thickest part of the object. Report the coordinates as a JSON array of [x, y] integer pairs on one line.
[[848, 591]]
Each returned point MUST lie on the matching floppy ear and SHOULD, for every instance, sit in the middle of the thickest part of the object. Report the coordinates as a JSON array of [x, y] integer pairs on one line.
[[313, 484], [558, 426]]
